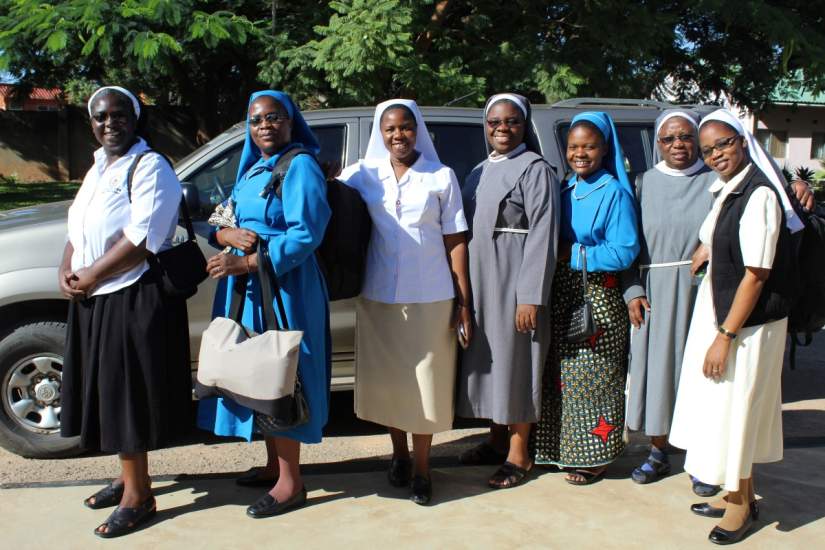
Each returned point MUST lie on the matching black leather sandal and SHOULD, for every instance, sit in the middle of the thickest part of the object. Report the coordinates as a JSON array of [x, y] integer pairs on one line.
[[253, 478], [125, 520], [106, 497], [508, 475], [588, 476]]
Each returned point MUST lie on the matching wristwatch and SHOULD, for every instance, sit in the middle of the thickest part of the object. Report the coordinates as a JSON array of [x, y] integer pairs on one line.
[[725, 332]]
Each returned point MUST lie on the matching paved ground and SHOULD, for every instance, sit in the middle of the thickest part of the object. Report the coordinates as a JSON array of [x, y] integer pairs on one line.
[[351, 503]]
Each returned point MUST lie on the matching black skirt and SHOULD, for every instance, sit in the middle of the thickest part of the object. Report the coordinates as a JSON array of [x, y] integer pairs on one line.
[[126, 374]]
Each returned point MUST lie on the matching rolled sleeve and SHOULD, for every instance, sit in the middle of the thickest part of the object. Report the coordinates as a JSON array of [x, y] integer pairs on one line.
[[452, 207], [759, 229], [156, 195]]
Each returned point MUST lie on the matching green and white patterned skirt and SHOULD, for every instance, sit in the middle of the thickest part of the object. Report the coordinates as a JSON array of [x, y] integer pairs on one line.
[[582, 412]]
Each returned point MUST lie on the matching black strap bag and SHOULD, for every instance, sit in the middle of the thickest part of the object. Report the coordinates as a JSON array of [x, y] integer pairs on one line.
[[182, 267], [290, 411], [582, 322], [342, 254]]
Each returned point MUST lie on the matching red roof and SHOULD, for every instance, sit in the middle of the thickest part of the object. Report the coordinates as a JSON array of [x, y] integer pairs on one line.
[[51, 94]]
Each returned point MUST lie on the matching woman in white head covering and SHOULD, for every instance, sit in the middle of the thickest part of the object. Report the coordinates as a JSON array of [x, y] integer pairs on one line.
[[416, 293], [728, 408]]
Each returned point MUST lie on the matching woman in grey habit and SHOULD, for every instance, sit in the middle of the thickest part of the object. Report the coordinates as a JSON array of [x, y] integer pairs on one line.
[[511, 204]]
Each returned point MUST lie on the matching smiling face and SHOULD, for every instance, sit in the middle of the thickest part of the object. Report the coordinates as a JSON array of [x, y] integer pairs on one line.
[[269, 125], [399, 130], [678, 143], [586, 149], [113, 123], [505, 127], [722, 149]]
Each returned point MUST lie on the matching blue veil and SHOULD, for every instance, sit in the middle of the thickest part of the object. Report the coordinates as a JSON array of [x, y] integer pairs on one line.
[[614, 160], [302, 136]]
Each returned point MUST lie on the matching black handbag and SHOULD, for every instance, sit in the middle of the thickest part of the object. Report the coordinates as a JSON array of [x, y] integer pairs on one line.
[[291, 410], [582, 324], [182, 267]]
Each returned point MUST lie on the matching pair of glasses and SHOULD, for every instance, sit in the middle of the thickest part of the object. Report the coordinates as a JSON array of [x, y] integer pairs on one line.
[[670, 140], [274, 119], [494, 123], [116, 116], [720, 145]]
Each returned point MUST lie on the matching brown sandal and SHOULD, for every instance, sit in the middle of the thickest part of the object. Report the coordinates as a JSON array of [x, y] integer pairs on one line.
[[507, 476], [587, 474]]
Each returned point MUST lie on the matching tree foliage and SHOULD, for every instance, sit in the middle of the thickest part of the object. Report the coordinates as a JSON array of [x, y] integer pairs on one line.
[[210, 54]]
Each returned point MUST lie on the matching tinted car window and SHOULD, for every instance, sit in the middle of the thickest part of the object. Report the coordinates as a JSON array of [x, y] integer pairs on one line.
[[459, 146], [636, 141], [216, 178]]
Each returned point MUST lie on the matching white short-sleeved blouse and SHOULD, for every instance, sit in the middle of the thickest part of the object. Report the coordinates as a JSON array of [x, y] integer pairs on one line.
[[406, 260], [101, 213], [759, 226]]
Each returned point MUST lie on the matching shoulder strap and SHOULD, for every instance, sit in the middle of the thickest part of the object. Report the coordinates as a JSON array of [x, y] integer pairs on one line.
[[184, 210], [280, 169], [270, 291]]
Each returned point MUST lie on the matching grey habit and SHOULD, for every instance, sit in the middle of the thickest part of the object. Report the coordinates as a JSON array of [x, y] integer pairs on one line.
[[672, 208], [512, 207]]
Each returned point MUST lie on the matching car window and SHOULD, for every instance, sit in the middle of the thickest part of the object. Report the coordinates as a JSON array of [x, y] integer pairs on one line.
[[459, 146], [636, 141], [216, 177]]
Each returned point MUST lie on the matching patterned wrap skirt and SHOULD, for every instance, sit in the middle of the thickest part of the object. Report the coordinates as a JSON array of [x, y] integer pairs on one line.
[[582, 416]]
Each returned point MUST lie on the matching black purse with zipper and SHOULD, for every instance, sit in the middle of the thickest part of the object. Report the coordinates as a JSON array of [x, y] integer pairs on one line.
[[582, 322]]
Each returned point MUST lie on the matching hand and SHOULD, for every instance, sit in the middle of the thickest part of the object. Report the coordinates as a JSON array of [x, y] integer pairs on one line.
[[716, 358], [526, 317], [804, 195], [463, 317], [700, 257], [242, 239], [636, 309], [83, 281], [223, 265], [66, 279]]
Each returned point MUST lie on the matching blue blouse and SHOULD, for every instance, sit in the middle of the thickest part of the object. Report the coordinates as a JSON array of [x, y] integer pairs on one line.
[[599, 216]]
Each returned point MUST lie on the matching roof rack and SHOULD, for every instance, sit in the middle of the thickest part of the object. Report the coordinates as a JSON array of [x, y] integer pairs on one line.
[[607, 101]]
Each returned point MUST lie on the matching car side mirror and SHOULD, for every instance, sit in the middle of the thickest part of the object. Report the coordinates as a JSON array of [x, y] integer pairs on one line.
[[192, 199]]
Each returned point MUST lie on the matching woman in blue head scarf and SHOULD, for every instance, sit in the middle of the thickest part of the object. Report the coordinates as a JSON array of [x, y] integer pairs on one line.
[[582, 416], [291, 227]]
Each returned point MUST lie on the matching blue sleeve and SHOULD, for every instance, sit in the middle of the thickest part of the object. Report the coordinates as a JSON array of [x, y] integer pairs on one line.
[[306, 213], [621, 238]]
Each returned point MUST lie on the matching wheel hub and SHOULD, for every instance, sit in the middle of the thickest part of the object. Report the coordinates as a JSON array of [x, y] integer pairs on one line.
[[47, 391], [32, 394]]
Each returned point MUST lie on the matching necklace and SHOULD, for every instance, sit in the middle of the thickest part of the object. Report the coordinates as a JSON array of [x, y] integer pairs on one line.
[[601, 182]]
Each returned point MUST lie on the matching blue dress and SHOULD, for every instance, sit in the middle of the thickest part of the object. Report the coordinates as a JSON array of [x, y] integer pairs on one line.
[[292, 228]]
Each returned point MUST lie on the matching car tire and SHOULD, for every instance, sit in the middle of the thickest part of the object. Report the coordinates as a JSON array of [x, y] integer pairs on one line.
[[31, 361]]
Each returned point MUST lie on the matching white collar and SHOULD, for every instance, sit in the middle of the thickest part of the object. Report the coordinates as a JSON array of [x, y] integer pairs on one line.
[[695, 168], [100, 155], [496, 157], [733, 183]]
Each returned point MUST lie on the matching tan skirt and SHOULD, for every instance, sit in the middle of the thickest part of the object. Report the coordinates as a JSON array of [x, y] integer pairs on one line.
[[405, 365]]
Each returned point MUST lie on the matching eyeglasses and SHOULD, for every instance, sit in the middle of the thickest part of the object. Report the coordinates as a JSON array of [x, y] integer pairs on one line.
[[720, 145], [116, 116], [274, 119], [494, 123], [670, 140]]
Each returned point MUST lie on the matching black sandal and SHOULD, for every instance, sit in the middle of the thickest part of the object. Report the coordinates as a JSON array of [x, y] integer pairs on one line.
[[589, 476], [125, 520], [508, 475], [482, 454], [106, 497]]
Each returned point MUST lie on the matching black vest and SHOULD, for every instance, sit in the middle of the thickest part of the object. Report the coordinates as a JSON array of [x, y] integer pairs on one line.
[[728, 267]]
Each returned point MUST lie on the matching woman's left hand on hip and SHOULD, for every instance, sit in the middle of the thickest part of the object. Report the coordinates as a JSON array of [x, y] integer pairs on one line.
[[223, 265], [716, 358]]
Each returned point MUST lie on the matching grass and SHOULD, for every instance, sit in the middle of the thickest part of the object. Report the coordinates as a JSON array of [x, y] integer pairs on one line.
[[14, 194]]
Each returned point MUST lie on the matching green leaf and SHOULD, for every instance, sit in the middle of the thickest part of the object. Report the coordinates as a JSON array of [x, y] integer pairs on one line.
[[57, 41]]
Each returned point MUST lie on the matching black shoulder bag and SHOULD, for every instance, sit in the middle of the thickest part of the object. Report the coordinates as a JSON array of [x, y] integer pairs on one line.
[[582, 323], [182, 267]]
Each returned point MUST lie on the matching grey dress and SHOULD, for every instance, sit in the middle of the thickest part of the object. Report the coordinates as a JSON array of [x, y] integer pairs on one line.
[[672, 208], [512, 209]]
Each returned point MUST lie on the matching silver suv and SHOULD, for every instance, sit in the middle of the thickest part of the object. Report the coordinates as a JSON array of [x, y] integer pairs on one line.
[[33, 312]]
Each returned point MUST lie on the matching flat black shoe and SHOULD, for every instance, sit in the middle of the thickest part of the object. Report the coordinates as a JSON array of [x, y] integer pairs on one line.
[[723, 536], [399, 472], [253, 478], [705, 509], [421, 491], [106, 497], [123, 521], [267, 506]]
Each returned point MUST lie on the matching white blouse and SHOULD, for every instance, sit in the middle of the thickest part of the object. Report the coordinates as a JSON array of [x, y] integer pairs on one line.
[[759, 226], [101, 213], [406, 259]]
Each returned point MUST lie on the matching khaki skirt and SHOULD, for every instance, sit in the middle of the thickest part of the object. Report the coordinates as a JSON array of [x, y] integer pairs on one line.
[[405, 365]]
